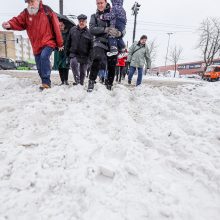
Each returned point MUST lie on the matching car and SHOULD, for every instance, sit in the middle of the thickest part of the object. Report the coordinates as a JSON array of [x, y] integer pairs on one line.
[[212, 73], [25, 65], [191, 76], [7, 64]]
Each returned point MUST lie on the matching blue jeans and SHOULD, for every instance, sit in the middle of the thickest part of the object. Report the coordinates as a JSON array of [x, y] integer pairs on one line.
[[103, 74], [43, 65], [140, 74]]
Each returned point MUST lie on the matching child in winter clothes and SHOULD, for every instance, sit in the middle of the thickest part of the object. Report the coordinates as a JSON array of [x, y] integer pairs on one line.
[[118, 20]]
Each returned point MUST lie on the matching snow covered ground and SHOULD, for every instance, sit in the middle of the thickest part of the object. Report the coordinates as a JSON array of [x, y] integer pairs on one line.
[[146, 153]]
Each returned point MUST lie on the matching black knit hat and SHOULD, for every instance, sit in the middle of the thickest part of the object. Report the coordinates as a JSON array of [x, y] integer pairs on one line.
[[82, 17]]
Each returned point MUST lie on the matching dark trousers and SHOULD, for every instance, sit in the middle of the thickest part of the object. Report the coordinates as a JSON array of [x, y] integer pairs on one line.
[[43, 65], [79, 70], [100, 62], [64, 72], [118, 42], [120, 70]]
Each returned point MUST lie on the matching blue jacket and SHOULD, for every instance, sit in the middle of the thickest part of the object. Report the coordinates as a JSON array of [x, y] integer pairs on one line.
[[117, 12]]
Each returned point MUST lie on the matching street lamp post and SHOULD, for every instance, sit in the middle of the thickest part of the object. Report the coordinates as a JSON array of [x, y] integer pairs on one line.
[[135, 9], [61, 7], [169, 34]]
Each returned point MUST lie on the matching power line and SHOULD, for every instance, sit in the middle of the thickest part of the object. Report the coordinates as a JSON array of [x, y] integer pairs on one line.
[[163, 24], [175, 31]]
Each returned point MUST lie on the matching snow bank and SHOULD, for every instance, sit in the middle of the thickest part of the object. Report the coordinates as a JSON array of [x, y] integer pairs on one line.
[[137, 154]]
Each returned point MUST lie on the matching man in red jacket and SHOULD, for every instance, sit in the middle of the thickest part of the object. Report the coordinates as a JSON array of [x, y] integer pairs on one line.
[[42, 27]]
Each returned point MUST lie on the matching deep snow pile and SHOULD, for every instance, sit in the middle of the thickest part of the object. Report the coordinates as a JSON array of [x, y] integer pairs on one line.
[[147, 153]]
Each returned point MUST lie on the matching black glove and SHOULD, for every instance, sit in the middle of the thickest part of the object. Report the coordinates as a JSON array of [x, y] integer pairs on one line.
[[128, 64]]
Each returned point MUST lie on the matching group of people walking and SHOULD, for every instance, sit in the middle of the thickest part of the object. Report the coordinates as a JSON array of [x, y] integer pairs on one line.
[[98, 49]]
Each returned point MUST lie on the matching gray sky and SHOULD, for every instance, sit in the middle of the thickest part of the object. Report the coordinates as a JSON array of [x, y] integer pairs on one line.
[[156, 18]]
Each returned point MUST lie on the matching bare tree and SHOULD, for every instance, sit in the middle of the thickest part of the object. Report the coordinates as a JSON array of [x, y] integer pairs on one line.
[[152, 46], [175, 55], [209, 41]]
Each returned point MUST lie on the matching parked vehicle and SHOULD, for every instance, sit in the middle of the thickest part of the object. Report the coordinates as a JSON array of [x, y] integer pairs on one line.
[[7, 64], [191, 76], [24, 65], [212, 73]]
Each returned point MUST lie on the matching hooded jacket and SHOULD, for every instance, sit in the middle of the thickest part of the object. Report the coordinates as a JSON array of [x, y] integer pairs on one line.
[[40, 30], [139, 54], [117, 12]]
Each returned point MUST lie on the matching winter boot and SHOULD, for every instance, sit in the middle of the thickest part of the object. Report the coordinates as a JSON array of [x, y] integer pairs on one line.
[[109, 87], [44, 86], [66, 83], [129, 82], [91, 85], [113, 51]]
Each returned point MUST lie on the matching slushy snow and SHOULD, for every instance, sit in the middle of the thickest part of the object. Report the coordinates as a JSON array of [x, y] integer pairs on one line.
[[146, 153]]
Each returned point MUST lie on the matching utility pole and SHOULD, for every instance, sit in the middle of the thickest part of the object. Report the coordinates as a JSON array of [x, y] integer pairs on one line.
[[6, 49], [135, 9], [22, 48], [167, 47], [61, 7], [29, 49]]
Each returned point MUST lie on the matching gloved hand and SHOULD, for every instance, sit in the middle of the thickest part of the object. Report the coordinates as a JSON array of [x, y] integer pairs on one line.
[[107, 30], [113, 32], [128, 64]]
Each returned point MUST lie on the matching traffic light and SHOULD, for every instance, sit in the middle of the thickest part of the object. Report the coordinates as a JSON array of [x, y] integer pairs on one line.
[[135, 8]]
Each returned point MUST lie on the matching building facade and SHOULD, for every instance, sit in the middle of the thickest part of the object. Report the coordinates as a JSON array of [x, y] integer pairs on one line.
[[186, 68], [15, 47]]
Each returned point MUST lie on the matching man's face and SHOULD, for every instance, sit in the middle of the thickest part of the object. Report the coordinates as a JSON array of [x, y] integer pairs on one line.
[[143, 41], [82, 23], [101, 5], [33, 6]]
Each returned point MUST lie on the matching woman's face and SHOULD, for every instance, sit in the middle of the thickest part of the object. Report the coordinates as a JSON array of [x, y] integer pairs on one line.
[[62, 26]]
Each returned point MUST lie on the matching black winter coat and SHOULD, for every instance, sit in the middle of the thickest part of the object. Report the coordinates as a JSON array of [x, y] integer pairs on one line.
[[97, 28], [80, 44]]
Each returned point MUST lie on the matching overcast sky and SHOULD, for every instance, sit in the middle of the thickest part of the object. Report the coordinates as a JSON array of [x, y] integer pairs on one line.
[[156, 18]]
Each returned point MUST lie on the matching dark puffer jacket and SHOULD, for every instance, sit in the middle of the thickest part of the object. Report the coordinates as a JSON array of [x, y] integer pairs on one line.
[[117, 12], [80, 44], [97, 28]]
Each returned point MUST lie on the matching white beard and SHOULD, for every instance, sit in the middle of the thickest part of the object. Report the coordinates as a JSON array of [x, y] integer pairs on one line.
[[32, 10]]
